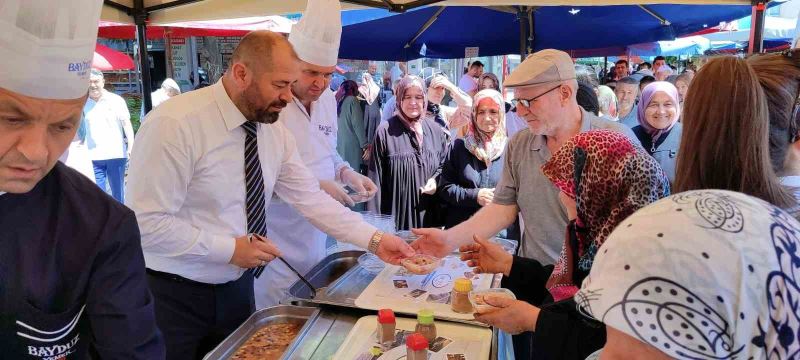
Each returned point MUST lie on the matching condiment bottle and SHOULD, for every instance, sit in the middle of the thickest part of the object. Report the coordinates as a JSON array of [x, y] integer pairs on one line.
[[416, 347], [425, 325], [386, 326], [459, 299]]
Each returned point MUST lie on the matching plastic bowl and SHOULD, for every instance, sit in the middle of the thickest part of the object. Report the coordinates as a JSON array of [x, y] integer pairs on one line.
[[476, 298], [371, 263], [421, 264]]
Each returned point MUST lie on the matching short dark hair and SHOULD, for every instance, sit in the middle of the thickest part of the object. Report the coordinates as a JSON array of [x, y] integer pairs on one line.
[[659, 57], [622, 61], [646, 80], [644, 65], [587, 98], [476, 63]]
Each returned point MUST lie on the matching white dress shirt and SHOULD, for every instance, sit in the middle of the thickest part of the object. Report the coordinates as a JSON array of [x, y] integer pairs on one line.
[[109, 123], [315, 136], [186, 185]]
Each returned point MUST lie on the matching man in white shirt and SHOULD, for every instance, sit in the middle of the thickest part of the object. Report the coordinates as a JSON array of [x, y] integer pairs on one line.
[[469, 82], [200, 178], [110, 135], [399, 70], [311, 118]]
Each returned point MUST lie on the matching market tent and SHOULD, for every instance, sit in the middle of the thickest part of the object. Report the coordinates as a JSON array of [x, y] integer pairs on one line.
[[106, 59], [229, 27], [449, 31], [171, 11], [775, 28]]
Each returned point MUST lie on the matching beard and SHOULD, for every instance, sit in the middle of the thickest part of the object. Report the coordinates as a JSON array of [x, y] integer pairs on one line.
[[260, 114]]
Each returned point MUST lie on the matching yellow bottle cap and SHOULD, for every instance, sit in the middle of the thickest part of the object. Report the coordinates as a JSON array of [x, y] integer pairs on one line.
[[462, 285]]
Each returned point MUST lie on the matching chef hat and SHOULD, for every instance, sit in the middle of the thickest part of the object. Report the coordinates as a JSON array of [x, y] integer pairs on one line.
[[316, 36], [47, 46]]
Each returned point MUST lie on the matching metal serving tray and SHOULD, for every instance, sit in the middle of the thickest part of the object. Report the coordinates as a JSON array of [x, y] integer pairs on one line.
[[339, 280], [272, 315]]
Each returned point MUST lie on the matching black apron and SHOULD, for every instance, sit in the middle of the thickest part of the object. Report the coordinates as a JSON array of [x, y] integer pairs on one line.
[[29, 333]]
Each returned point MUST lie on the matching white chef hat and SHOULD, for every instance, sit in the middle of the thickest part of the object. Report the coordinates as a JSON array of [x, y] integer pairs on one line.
[[47, 46], [316, 36]]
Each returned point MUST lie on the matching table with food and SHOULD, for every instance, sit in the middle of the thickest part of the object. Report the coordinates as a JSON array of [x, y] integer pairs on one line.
[[363, 309]]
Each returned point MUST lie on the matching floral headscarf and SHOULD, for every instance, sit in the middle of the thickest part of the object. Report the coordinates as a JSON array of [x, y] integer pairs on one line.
[[707, 274], [609, 178], [487, 147], [647, 96], [413, 124]]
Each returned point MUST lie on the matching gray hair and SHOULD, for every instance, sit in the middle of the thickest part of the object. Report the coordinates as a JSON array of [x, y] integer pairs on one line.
[[96, 72], [628, 80]]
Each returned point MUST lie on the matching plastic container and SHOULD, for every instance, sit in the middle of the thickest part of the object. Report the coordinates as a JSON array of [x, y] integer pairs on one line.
[[459, 298], [386, 326], [476, 298], [416, 347], [371, 263], [421, 264], [425, 325]]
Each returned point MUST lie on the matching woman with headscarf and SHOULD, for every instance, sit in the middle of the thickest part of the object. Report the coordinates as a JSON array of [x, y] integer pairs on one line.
[[370, 92], [659, 130], [451, 118], [475, 163], [408, 153], [603, 178], [706, 274], [352, 141], [514, 123]]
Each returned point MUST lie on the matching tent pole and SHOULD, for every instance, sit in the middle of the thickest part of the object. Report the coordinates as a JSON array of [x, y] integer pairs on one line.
[[425, 27], [757, 27], [523, 33], [140, 19]]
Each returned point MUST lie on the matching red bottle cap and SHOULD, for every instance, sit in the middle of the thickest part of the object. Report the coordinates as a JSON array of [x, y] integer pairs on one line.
[[386, 316], [416, 342]]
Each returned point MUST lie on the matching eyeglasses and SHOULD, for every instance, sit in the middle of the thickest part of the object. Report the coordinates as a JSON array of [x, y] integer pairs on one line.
[[527, 102]]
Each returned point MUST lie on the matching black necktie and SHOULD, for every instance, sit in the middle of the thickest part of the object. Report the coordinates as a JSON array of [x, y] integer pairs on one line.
[[255, 203]]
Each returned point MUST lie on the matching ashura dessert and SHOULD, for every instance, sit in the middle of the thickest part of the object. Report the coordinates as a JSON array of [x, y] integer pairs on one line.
[[268, 343], [421, 264]]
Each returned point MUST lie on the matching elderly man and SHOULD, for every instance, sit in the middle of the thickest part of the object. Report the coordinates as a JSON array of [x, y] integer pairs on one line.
[[545, 95], [200, 178], [110, 135], [72, 278], [627, 92], [169, 88], [311, 118]]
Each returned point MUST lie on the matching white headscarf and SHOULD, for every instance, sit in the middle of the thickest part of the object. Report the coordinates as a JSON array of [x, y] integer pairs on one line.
[[706, 274]]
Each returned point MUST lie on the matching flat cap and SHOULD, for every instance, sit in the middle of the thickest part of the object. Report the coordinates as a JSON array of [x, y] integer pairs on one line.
[[542, 67]]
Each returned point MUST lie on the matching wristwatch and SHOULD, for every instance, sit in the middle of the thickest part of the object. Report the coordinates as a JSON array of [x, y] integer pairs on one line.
[[375, 241]]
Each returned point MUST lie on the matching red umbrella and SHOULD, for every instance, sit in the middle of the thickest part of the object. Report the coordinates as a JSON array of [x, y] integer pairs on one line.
[[106, 58]]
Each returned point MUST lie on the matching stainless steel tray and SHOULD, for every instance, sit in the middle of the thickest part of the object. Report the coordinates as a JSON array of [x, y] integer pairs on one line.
[[339, 280], [271, 315]]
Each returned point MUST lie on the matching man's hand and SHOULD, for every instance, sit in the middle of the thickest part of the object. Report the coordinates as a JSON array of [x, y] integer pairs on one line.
[[432, 242], [336, 192], [360, 183], [485, 196], [392, 249], [429, 188], [511, 316], [250, 254], [486, 257]]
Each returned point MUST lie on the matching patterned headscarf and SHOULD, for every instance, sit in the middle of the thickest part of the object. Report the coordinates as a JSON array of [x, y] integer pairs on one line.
[[487, 147], [647, 96], [348, 88], [413, 124], [707, 274], [609, 178]]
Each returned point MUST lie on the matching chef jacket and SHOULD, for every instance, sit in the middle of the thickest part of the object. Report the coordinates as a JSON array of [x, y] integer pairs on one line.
[[72, 276]]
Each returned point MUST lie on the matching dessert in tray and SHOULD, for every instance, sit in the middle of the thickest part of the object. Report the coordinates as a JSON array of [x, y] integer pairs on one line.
[[269, 342], [421, 264]]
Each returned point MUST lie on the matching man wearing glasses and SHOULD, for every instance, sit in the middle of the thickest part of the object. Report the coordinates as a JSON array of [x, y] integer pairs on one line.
[[545, 97]]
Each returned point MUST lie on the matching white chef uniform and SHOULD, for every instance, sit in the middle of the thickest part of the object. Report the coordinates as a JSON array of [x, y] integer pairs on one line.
[[302, 244]]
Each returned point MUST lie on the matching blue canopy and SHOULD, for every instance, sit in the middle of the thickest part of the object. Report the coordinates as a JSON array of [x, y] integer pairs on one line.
[[496, 32]]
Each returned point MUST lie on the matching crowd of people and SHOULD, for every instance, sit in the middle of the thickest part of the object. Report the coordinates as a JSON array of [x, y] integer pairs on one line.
[[656, 215]]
